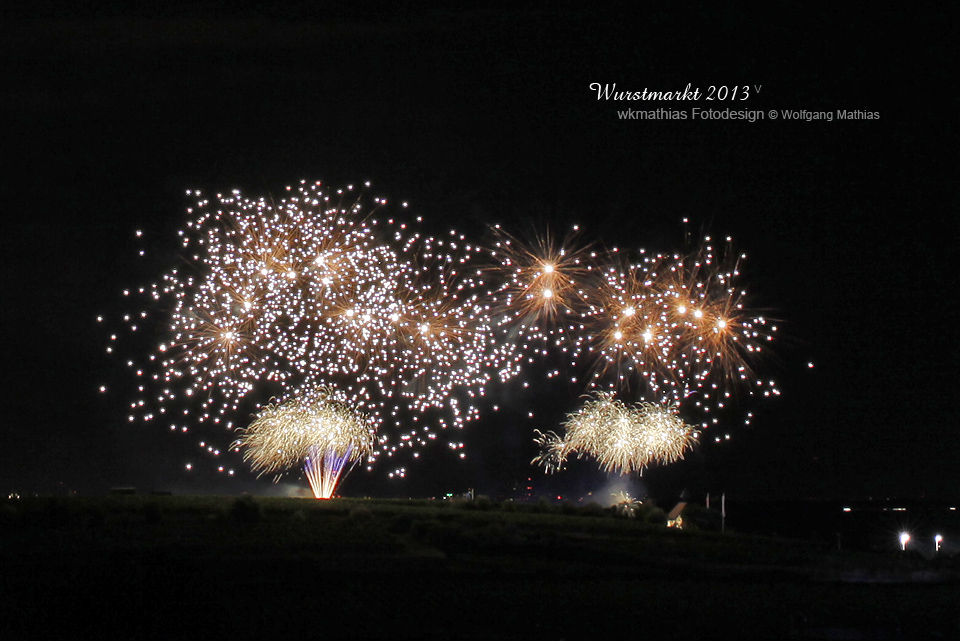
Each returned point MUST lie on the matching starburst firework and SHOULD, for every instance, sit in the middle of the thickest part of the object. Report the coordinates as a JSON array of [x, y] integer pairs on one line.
[[678, 328], [542, 279]]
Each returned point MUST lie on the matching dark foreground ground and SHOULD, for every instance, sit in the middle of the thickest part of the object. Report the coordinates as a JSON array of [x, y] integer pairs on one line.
[[208, 567]]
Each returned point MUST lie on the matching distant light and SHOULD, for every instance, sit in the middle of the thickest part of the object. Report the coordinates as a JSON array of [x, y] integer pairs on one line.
[[904, 539], [847, 509]]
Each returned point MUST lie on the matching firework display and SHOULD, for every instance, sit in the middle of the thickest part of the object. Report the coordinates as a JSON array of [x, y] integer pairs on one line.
[[621, 438], [336, 290], [316, 289], [680, 324], [543, 281], [672, 328], [313, 429]]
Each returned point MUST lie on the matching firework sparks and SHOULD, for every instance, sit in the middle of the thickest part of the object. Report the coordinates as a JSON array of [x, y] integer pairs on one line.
[[623, 439], [553, 451], [313, 429], [674, 326], [677, 325], [541, 279], [626, 504], [321, 288], [333, 289]]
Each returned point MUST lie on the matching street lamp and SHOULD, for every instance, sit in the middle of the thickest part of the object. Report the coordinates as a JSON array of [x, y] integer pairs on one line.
[[904, 539], [938, 539]]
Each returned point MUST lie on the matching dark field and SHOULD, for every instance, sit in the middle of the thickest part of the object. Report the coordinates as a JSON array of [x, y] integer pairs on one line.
[[212, 567]]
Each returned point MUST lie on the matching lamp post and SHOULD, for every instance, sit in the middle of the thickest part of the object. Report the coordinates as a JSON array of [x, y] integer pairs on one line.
[[938, 539], [904, 539]]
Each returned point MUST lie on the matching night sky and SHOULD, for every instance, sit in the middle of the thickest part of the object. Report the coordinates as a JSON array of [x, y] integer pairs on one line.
[[486, 116]]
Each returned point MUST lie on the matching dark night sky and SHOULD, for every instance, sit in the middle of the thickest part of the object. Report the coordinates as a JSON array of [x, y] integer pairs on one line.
[[486, 116]]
